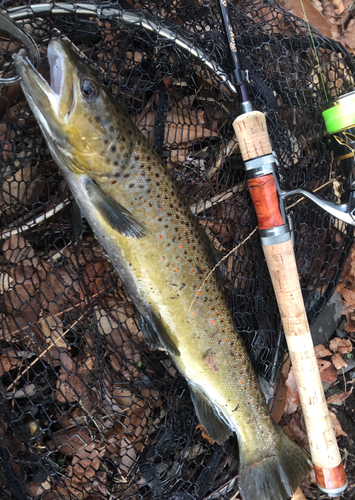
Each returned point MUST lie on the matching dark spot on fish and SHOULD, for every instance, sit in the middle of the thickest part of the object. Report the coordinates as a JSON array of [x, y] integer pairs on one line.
[[169, 214], [125, 155], [113, 149], [126, 176], [166, 226], [160, 219], [157, 175], [194, 248], [176, 229], [141, 186], [189, 260], [117, 174], [131, 185], [97, 118], [158, 195], [157, 183], [168, 245], [113, 182], [149, 167], [123, 139], [115, 163], [187, 224], [191, 232], [111, 129], [136, 157], [121, 148], [148, 158], [148, 190]]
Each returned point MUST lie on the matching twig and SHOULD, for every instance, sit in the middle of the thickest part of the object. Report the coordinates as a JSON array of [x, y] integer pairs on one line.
[[198, 207], [220, 262], [314, 191], [34, 222]]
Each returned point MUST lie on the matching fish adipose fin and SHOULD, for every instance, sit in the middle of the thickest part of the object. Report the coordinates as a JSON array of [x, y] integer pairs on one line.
[[276, 477], [118, 217], [155, 334], [208, 415]]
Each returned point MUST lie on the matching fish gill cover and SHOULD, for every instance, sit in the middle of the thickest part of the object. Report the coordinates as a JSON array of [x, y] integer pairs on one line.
[[87, 410]]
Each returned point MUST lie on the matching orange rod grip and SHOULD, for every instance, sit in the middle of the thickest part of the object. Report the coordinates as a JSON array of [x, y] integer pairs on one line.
[[264, 196], [330, 479]]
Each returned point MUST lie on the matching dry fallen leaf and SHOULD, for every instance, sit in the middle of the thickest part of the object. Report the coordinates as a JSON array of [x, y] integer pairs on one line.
[[5, 282], [211, 362], [321, 351], [338, 361], [343, 346], [293, 398], [336, 399], [336, 425], [7, 363], [315, 18], [329, 373]]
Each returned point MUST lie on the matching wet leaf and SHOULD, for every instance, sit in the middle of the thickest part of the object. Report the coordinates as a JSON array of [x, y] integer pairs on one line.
[[337, 399]]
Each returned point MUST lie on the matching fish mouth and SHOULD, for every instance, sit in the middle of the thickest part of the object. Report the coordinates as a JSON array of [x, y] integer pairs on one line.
[[50, 102]]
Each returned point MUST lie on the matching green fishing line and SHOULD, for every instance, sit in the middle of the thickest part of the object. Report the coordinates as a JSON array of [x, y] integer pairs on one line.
[[315, 51]]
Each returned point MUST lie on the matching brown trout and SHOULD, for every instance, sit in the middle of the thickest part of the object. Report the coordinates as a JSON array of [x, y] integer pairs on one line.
[[162, 256]]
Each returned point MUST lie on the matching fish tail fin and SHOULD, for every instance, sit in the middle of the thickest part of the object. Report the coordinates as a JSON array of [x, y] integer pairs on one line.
[[276, 476]]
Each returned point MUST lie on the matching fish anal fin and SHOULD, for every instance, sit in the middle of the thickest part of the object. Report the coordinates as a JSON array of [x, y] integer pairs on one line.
[[119, 218], [209, 416], [156, 335]]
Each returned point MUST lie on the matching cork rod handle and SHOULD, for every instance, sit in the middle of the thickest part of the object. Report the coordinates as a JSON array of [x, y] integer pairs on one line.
[[254, 142]]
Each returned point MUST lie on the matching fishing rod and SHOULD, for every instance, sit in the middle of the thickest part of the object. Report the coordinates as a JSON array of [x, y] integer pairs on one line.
[[268, 198], [252, 135]]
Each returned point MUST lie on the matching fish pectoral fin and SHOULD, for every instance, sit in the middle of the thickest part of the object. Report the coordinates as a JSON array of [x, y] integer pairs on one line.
[[156, 335], [209, 416], [120, 219]]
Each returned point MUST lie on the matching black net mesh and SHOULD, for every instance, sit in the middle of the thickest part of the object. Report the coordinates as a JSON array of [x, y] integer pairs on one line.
[[87, 411]]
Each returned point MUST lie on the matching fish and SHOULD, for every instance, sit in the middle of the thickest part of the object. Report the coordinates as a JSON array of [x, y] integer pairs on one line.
[[163, 257]]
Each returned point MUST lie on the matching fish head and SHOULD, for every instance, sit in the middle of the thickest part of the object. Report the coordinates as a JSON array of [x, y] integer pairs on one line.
[[85, 129]]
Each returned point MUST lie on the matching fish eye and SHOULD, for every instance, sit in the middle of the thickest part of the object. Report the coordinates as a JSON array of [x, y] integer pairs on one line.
[[88, 89]]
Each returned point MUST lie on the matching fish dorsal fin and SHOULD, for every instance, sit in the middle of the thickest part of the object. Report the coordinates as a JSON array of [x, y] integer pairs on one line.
[[209, 416], [156, 335], [120, 219]]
